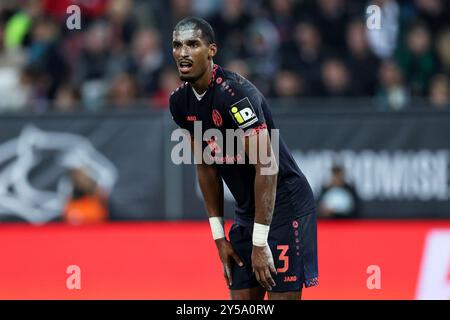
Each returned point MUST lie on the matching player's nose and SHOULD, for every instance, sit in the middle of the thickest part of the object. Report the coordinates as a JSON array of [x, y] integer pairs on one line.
[[184, 52]]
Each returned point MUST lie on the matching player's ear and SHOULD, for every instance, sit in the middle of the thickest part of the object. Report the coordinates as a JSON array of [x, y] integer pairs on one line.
[[212, 51]]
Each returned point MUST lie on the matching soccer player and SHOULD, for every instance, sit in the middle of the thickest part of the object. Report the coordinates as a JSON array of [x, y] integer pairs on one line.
[[272, 245]]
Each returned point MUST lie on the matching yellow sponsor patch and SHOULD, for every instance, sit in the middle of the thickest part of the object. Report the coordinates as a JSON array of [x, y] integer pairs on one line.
[[243, 113]]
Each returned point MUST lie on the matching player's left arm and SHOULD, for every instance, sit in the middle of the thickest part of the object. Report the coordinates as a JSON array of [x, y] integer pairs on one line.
[[259, 151], [246, 110]]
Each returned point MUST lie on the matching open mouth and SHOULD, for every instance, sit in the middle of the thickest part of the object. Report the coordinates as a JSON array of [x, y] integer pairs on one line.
[[185, 66]]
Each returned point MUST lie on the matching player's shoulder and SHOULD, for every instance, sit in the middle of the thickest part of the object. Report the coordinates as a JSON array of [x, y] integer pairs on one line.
[[179, 91], [175, 99], [235, 87]]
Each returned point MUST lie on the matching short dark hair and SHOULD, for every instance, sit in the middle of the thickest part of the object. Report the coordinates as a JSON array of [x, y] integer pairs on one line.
[[197, 24]]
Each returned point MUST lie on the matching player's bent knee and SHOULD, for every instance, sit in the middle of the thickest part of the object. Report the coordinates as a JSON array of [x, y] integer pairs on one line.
[[248, 294], [291, 295]]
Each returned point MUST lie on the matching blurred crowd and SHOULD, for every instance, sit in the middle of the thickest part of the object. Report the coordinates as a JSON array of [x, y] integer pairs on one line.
[[121, 56]]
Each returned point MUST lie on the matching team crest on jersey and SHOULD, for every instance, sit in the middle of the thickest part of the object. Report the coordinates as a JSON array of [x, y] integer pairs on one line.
[[243, 113], [217, 118]]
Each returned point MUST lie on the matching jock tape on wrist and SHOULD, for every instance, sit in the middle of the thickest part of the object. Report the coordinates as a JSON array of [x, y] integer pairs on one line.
[[217, 228], [260, 234]]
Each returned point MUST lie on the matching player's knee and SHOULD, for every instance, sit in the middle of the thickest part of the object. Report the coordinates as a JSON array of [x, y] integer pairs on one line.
[[247, 294], [237, 295], [294, 295]]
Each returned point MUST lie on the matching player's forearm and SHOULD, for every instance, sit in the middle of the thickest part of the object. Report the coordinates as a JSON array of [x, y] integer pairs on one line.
[[265, 193], [266, 173], [212, 189]]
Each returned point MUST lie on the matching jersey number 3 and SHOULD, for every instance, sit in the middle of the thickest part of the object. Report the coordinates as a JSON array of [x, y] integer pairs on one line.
[[283, 257]]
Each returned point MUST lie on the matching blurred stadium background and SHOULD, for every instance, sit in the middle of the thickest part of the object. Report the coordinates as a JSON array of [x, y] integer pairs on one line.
[[86, 176]]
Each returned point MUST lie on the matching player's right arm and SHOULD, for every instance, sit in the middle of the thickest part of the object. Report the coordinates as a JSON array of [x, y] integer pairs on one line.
[[212, 189]]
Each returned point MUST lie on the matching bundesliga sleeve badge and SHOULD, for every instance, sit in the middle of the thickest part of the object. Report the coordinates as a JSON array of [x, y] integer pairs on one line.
[[243, 113]]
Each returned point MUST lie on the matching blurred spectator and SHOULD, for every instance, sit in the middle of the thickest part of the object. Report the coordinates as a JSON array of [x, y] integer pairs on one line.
[[123, 25], [240, 67], [19, 24], [383, 41], [147, 59], [283, 16], [305, 56], [180, 8], [168, 81], [392, 93], [94, 62], [229, 25], [94, 65], [416, 59], [435, 13], [204, 8], [15, 30], [440, 91], [287, 84], [124, 92], [335, 79], [146, 13], [260, 39], [67, 99], [443, 51], [360, 58], [331, 18], [338, 199], [262, 49], [87, 204], [16, 88], [44, 54]]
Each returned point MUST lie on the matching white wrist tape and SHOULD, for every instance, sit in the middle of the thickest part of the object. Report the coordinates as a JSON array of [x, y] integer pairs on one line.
[[260, 234], [217, 228]]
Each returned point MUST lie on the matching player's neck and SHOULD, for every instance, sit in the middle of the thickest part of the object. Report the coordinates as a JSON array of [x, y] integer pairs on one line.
[[202, 84]]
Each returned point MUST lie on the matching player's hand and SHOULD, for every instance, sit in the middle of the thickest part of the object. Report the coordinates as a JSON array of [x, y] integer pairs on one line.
[[263, 266], [227, 256]]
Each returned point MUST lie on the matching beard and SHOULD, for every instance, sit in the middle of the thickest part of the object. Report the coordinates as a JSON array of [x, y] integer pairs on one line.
[[189, 78]]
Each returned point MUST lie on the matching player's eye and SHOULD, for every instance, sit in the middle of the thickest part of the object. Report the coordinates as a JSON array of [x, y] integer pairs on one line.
[[176, 45]]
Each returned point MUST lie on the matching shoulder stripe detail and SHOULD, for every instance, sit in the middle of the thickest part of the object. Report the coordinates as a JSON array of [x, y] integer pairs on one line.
[[179, 87]]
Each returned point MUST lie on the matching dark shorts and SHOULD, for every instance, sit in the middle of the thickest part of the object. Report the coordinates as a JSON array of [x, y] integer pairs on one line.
[[294, 249]]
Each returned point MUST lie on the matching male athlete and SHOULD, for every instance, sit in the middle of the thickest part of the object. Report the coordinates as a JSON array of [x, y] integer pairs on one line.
[[273, 245]]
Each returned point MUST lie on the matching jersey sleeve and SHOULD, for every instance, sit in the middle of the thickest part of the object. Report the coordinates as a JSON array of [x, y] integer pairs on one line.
[[175, 111], [244, 106]]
